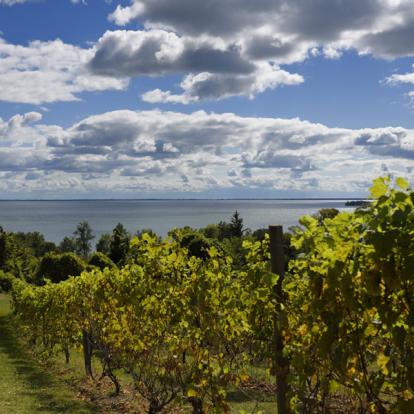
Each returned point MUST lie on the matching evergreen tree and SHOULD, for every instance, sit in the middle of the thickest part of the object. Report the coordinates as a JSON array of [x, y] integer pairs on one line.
[[236, 225], [119, 244]]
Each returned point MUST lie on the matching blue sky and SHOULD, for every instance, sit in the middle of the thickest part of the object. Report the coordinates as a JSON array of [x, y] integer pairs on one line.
[[164, 98]]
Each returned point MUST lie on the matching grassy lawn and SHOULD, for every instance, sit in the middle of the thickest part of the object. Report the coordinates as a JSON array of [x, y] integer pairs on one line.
[[25, 386]]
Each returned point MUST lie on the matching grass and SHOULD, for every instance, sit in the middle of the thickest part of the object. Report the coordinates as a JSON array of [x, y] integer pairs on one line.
[[25, 386], [241, 402]]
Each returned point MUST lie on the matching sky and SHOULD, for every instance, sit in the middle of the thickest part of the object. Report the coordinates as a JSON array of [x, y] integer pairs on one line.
[[204, 98]]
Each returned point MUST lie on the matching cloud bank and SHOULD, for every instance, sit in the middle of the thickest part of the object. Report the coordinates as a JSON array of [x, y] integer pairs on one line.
[[157, 152]]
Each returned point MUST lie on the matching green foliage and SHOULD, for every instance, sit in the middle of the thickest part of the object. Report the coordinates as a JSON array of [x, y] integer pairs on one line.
[[16, 258], [59, 267], [152, 233], [326, 213], [67, 245], [101, 261], [186, 321], [6, 282], [351, 313], [236, 225], [36, 242], [211, 231], [224, 230], [104, 244], [176, 323], [197, 245], [119, 244], [83, 236]]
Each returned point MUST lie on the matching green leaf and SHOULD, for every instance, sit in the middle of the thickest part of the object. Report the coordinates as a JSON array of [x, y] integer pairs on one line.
[[379, 188], [270, 279]]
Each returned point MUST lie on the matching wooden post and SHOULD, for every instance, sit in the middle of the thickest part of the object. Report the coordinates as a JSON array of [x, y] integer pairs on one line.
[[87, 353], [280, 363]]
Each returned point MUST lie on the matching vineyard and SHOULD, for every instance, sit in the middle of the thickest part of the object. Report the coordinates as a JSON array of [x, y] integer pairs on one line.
[[333, 326]]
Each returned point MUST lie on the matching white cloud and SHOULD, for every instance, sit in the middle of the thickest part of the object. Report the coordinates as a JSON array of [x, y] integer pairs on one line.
[[45, 72], [211, 86], [264, 32], [221, 49], [402, 78], [159, 152], [215, 70], [12, 2]]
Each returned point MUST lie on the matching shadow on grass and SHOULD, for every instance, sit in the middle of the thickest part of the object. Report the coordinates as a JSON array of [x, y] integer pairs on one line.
[[51, 395], [248, 396]]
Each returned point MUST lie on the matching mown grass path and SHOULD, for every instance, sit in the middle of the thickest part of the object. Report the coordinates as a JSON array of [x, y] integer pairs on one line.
[[25, 386]]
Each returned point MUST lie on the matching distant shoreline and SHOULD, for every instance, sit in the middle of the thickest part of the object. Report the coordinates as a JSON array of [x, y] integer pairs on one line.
[[189, 199]]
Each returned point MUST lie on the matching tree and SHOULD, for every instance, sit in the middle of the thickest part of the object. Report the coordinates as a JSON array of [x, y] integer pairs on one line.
[[211, 231], [236, 225], [119, 244], [326, 213], [67, 245], [59, 267], [36, 242], [83, 236], [151, 232], [104, 244], [3, 248], [16, 258], [224, 229]]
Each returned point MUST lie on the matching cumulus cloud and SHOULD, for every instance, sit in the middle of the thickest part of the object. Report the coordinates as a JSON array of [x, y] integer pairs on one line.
[[381, 27], [44, 72], [216, 70], [159, 151], [132, 53], [222, 47], [208, 86]]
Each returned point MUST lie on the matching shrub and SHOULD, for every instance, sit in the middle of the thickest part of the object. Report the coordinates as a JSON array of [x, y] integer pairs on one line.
[[196, 244], [58, 267], [101, 261], [6, 282]]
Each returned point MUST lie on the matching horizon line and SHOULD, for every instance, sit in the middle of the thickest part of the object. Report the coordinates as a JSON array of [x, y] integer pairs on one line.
[[192, 199]]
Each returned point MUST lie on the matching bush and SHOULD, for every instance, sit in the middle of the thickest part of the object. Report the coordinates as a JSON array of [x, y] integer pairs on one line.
[[6, 282], [197, 245], [101, 261], [58, 267]]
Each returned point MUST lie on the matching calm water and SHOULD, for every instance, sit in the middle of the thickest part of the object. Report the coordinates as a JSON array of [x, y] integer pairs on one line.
[[56, 219]]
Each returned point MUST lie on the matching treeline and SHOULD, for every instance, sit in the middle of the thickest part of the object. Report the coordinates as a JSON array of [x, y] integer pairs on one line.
[[30, 257]]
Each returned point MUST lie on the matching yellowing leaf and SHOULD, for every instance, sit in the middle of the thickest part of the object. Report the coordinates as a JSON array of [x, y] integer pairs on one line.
[[192, 393], [303, 330], [379, 188], [382, 361], [408, 395], [402, 183]]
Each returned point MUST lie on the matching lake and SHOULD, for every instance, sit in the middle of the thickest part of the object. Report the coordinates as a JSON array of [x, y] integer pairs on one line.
[[56, 219]]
